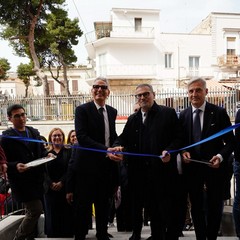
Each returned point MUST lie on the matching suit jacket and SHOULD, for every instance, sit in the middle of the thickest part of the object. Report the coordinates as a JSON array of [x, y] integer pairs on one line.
[[28, 185], [237, 137], [88, 163], [215, 120], [161, 133]]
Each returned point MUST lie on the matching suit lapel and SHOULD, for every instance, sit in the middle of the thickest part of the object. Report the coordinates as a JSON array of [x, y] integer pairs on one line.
[[208, 115], [189, 123], [110, 119]]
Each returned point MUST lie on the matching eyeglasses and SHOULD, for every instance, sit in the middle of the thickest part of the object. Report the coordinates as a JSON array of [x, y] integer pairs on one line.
[[18, 116], [103, 87], [145, 94], [57, 135]]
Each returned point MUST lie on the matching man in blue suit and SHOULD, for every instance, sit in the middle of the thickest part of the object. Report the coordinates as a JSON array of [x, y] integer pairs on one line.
[[201, 178], [92, 176]]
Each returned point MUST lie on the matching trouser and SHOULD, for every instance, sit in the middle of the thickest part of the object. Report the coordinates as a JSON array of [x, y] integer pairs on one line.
[[236, 204], [33, 210]]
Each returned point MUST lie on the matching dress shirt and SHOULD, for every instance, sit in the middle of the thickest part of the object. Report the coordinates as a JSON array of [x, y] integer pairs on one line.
[[106, 123], [201, 115]]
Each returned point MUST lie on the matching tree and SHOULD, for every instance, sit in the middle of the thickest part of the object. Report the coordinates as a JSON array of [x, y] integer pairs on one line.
[[55, 46], [22, 19], [4, 67], [25, 71]]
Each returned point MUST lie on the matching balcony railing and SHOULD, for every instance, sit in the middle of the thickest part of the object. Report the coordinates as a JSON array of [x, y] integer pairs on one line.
[[229, 60], [129, 70], [120, 31]]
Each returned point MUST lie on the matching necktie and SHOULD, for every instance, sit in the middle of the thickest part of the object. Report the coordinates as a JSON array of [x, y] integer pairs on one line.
[[100, 110], [196, 131], [144, 118]]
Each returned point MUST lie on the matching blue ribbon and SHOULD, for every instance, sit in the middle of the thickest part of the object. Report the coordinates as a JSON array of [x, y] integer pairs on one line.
[[218, 134]]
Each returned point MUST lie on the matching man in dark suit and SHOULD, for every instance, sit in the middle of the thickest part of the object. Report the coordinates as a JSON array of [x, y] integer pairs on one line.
[[153, 129], [91, 174], [26, 183], [236, 168], [200, 177]]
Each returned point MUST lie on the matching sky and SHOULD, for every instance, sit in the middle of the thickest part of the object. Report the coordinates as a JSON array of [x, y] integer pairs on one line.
[[179, 16]]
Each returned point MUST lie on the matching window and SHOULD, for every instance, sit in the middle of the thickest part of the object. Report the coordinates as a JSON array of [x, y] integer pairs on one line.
[[194, 66], [51, 87], [138, 24], [231, 49], [194, 62], [168, 60], [74, 86], [102, 64]]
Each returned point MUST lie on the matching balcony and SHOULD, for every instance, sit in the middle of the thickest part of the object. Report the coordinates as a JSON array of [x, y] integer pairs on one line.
[[126, 71], [120, 32], [228, 60]]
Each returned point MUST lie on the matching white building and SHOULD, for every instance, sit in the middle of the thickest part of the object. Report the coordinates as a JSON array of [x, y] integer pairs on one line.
[[130, 49], [77, 77], [13, 86]]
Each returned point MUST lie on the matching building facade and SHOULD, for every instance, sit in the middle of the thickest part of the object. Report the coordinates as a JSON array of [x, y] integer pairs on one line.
[[131, 49]]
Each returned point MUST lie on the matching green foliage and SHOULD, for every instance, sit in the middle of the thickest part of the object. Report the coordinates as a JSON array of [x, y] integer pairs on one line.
[[61, 34], [24, 72], [17, 15], [41, 30], [4, 67]]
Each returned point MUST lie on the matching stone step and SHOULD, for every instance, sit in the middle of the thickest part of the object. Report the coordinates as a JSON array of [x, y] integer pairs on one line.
[[188, 235]]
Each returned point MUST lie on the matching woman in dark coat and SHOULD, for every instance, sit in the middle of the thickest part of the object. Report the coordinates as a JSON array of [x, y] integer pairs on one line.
[[58, 213]]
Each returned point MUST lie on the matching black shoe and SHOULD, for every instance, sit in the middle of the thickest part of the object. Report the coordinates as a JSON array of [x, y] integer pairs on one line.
[[149, 238], [135, 237], [79, 238], [220, 234], [187, 227], [181, 234]]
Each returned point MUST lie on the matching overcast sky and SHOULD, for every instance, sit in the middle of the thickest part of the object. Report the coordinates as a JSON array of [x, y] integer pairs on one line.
[[175, 16]]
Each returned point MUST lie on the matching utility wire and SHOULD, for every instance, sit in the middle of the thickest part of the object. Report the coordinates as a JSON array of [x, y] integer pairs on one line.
[[79, 16]]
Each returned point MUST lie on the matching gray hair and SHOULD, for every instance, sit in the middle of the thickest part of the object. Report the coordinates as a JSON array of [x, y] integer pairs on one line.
[[197, 79], [145, 85], [102, 79]]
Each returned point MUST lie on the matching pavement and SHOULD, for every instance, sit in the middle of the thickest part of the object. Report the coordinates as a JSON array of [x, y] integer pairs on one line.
[[188, 235]]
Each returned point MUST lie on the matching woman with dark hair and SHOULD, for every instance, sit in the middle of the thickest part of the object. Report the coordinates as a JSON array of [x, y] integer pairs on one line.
[[72, 138], [58, 213]]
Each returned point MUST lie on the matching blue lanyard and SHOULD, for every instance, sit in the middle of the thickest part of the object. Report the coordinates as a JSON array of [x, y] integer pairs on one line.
[[21, 135]]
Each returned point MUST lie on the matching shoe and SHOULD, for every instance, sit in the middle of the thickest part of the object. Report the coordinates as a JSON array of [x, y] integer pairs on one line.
[[135, 237], [106, 238], [79, 238], [181, 234], [220, 234], [110, 225], [146, 223], [187, 227], [149, 238]]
